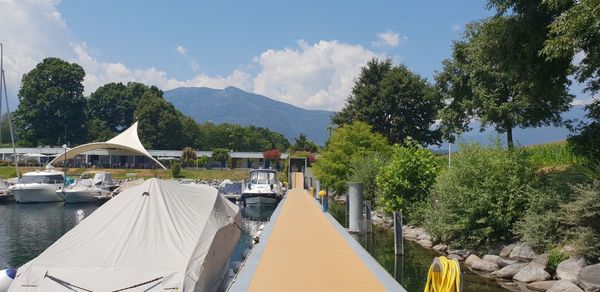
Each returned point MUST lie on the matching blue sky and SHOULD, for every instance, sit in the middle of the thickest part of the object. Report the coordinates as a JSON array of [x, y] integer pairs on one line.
[[304, 52]]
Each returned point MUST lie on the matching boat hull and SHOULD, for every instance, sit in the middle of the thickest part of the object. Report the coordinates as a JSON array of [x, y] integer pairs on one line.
[[260, 201], [36, 194], [82, 196]]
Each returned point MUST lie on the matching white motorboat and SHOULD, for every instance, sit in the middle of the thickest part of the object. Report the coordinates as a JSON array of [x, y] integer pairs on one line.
[[263, 188], [91, 187], [38, 187], [5, 193], [157, 236]]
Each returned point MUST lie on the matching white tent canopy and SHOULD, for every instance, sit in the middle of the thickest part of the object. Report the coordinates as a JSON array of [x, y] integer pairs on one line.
[[158, 236], [127, 140]]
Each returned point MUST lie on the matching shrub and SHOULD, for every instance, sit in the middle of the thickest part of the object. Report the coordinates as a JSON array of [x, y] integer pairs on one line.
[[202, 161], [364, 169], [582, 217], [586, 140], [555, 256], [407, 179], [175, 169], [478, 200], [541, 225]]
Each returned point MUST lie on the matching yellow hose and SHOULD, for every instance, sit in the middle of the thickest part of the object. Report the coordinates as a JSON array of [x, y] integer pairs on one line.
[[446, 278]]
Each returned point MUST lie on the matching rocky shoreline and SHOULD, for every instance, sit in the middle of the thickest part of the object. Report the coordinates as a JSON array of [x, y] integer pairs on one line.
[[516, 266]]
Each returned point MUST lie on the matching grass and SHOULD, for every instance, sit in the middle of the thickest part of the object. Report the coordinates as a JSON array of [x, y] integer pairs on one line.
[[206, 174], [555, 154]]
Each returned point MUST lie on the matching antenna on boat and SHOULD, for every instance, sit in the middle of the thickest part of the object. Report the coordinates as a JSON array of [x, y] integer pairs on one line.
[[3, 90]]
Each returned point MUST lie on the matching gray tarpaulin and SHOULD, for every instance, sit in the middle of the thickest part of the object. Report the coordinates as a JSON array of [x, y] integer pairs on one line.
[[158, 236]]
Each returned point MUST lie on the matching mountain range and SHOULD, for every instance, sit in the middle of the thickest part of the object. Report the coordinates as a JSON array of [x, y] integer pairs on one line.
[[233, 105]]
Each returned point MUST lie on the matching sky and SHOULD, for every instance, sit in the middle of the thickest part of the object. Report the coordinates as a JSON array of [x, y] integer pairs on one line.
[[306, 53]]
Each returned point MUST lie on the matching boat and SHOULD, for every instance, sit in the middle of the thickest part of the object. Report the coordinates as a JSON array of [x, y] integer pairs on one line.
[[91, 187], [263, 188], [5, 193], [39, 187], [157, 236], [232, 191]]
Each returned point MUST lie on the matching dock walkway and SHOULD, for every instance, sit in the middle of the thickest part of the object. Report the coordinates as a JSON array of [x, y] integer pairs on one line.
[[305, 251]]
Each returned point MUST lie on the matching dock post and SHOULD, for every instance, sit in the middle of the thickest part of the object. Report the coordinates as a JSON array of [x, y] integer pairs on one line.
[[324, 200], [355, 206], [398, 236], [317, 188]]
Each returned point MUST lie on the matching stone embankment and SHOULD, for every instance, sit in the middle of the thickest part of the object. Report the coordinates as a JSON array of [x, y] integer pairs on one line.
[[517, 262]]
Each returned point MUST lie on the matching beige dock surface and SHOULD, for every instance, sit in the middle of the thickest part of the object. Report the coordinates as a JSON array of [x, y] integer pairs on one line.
[[306, 253]]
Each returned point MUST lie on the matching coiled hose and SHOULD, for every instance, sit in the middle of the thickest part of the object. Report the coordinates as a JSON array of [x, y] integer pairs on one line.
[[443, 276]]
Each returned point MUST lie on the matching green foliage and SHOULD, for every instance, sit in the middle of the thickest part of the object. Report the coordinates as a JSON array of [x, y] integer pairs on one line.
[[202, 161], [175, 168], [220, 155], [364, 169], [349, 141], [586, 142], [553, 154], [555, 257], [188, 153], [396, 102], [577, 30], [407, 179], [301, 143], [582, 218], [238, 138], [478, 200], [498, 75], [160, 124], [50, 100], [541, 225]]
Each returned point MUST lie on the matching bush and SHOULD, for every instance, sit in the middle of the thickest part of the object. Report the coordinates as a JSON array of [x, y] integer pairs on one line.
[[364, 169], [582, 217], [555, 257], [479, 199], [175, 169], [541, 225], [586, 141], [407, 179]]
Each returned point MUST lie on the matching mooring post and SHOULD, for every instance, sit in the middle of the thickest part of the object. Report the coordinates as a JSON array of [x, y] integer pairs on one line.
[[398, 236], [355, 206], [317, 188], [324, 203]]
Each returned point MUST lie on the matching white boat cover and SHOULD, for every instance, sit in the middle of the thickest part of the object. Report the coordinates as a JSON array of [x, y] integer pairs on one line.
[[158, 236]]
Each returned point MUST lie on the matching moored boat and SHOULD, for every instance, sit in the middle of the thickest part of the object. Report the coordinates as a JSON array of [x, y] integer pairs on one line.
[[91, 187], [263, 189], [38, 187], [158, 236]]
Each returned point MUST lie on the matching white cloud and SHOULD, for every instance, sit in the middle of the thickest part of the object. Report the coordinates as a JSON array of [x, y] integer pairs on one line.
[[388, 38], [318, 76], [181, 50]]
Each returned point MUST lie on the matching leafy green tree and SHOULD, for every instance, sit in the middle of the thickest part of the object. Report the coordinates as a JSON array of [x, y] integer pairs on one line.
[[301, 143], [499, 76], [50, 101], [586, 139], [349, 141], [221, 155], [407, 179], [396, 102], [188, 155], [202, 161], [159, 123], [577, 30], [364, 169]]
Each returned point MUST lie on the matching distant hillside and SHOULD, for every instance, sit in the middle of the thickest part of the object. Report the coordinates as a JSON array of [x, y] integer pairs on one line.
[[233, 105]]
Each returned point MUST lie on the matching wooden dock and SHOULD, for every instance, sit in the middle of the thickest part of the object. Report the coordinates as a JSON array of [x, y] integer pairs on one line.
[[305, 251]]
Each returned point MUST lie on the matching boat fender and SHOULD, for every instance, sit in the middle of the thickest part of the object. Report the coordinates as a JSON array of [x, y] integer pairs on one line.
[[6, 278], [237, 265], [261, 227], [245, 253], [258, 233]]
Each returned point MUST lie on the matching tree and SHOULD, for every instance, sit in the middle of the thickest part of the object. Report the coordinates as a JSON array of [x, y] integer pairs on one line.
[[221, 155], [396, 102], [159, 123], [188, 154], [51, 102], [303, 144], [405, 182], [349, 141], [577, 30], [586, 139], [498, 76]]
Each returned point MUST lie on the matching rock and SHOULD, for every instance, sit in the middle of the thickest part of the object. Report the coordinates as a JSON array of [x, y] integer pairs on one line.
[[471, 259], [441, 248], [481, 265], [522, 252], [509, 271], [456, 256], [461, 252], [589, 278], [531, 273], [564, 286], [424, 236], [541, 286], [410, 234], [490, 258], [503, 262], [425, 243], [541, 260], [568, 269], [505, 252]]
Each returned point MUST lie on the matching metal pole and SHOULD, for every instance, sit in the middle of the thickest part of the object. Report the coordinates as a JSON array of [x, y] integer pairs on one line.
[[398, 236], [355, 196], [449, 153], [12, 136]]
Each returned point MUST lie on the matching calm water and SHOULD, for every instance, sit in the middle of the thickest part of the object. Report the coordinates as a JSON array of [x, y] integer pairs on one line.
[[410, 270]]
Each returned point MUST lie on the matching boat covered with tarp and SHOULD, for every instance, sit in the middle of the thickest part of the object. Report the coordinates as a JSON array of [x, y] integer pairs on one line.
[[158, 236]]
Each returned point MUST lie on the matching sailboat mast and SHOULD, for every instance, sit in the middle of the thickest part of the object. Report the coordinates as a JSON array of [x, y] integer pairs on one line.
[[12, 135]]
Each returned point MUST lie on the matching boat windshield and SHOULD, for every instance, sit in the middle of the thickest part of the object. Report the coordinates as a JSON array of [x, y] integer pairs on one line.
[[43, 179], [258, 177]]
